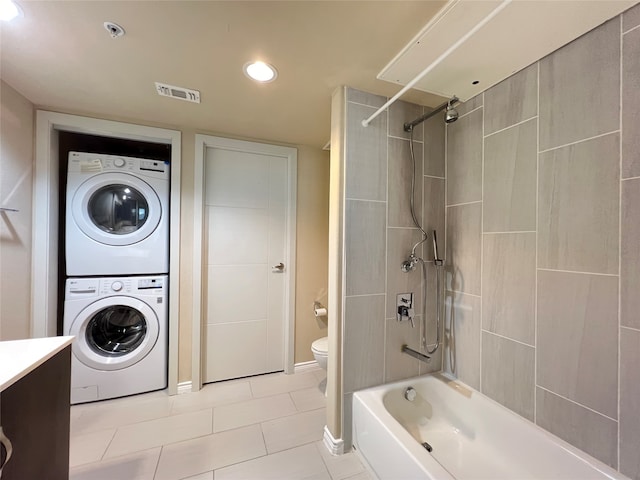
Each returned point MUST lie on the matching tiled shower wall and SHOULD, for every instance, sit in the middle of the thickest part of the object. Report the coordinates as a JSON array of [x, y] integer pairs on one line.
[[379, 235], [543, 243]]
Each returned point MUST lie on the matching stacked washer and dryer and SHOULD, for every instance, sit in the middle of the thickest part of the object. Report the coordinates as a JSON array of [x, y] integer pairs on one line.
[[117, 261]]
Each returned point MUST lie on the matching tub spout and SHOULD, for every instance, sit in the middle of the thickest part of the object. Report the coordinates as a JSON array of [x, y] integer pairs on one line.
[[415, 354]]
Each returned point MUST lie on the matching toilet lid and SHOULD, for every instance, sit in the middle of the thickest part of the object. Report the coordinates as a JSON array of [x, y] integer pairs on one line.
[[321, 345]]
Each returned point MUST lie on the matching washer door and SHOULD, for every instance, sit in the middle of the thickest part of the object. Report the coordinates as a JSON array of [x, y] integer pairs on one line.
[[114, 333], [116, 209]]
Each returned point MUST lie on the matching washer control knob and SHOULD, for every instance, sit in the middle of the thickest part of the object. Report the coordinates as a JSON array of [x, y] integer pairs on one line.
[[119, 162], [116, 286]]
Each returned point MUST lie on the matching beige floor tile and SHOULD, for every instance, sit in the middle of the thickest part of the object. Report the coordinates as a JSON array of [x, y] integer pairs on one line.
[[308, 399], [295, 464], [212, 395], [249, 412], [341, 466], [361, 476], [162, 431], [119, 412], [275, 383], [320, 374], [139, 466], [285, 433], [89, 447], [180, 460]]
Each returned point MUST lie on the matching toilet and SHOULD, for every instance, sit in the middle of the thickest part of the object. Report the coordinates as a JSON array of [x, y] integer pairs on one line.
[[320, 350]]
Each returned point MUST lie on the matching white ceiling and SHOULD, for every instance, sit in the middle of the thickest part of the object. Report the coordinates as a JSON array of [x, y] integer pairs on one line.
[[60, 57]]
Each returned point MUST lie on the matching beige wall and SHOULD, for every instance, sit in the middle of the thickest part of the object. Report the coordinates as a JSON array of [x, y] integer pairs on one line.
[[543, 235], [16, 162]]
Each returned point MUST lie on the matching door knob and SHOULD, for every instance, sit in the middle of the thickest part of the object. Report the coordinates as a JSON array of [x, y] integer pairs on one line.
[[279, 266]]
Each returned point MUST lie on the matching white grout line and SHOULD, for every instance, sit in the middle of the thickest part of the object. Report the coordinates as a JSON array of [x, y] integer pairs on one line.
[[365, 200], [403, 138], [481, 237], [620, 238], [506, 233], [461, 204], [365, 295], [508, 338], [471, 111], [362, 104], [579, 141], [630, 328], [576, 403], [535, 303], [579, 273], [402, 228], [630, 178], [386, 257], [510, 126], [433, 176], [462, 293], [631, 29]]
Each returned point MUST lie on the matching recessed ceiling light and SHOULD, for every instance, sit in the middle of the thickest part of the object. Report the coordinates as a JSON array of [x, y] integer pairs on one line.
[[9, 10], [260, 72]]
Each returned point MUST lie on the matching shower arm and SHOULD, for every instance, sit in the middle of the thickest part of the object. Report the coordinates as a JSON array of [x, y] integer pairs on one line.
[[409, 125]]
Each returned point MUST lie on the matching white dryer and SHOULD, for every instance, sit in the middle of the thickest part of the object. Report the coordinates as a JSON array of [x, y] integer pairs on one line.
[[120, 325], [117, 215]]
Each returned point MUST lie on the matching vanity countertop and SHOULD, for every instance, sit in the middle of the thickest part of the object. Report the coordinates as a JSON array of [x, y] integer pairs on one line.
[[19, 357]]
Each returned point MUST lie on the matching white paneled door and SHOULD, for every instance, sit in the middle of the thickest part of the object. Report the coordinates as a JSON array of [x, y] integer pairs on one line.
[[245, 235]]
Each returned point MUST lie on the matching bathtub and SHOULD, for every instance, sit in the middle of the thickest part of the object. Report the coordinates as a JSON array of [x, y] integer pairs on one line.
[[471, 437]]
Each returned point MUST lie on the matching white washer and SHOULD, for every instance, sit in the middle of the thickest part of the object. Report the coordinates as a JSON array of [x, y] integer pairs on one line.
[[117, 215], [120, 325]]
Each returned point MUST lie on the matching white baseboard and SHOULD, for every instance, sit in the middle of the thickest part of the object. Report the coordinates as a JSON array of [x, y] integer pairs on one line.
[[184, 387], [335, 446], [304, 366]]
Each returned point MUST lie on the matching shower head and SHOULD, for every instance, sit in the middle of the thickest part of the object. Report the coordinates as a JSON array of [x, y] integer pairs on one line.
[[450, 113]]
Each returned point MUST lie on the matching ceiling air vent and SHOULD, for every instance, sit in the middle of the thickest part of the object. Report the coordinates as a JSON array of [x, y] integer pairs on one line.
[[178, 92]]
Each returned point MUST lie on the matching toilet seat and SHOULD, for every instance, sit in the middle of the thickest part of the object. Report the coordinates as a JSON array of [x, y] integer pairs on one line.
[[320, 346]]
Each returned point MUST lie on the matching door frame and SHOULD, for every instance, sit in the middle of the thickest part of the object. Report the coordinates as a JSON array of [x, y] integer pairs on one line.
[[46, 190], [291, 154]]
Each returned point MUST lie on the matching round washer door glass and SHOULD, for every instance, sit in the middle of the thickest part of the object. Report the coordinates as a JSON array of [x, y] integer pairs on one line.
[[116, 330], [118, 209]]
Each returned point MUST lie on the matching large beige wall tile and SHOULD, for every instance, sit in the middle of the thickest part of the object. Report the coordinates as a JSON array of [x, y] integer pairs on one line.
[[364, 325], [399, 244], [631, 18], [462, 337], [577, 349], [579, 88], [366, 158], [631, 103], [16, 164], [465, 107], [508, 373], [463, 254], [578, 203], [509, 285], [365, 246], [433, 214], [587, 430], [464, 159], [401, 170], [434, 146], [365, 98], [404, 112], [630, 255], [630, 402], [512, 100], [510, 163], [398, 365]]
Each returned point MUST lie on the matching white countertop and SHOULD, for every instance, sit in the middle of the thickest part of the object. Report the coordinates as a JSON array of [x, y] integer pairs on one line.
[[19, 357]]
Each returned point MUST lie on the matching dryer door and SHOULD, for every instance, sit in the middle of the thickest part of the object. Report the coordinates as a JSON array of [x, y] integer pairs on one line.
[[116, 209], [114, 333]]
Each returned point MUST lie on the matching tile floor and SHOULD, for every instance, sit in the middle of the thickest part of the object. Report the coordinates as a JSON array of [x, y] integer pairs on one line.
[[266, 427]]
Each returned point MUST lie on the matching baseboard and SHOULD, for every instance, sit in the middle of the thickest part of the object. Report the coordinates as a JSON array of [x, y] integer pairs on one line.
[[184, 387], [304, 366], [335, 446]]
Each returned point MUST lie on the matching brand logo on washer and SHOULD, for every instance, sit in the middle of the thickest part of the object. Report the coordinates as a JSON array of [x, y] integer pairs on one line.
[[159, 300]]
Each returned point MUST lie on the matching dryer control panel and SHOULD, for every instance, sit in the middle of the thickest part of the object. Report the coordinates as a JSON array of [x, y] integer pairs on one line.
[[92, 163]]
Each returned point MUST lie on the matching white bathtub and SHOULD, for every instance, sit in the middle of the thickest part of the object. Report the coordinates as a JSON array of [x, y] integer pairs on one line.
[[472, 437]]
